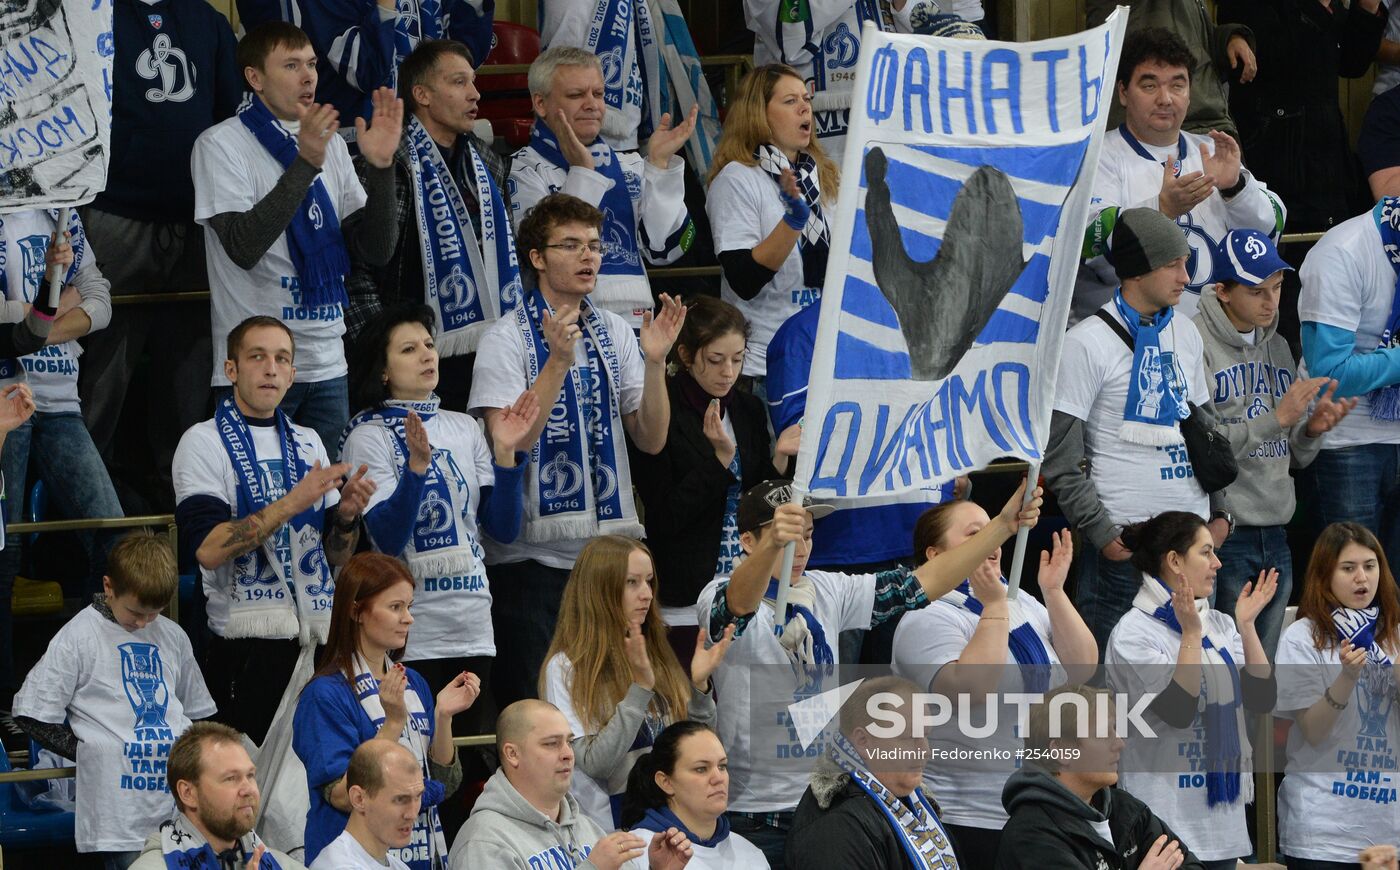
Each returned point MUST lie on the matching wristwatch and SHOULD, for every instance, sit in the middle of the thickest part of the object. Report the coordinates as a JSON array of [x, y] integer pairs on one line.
[[1228, 517]]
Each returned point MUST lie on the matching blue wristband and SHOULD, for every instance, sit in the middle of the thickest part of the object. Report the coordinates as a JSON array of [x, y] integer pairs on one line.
[[795, 211]]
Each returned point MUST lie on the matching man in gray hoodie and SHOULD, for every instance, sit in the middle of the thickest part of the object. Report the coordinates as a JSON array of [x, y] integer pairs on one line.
[[526, 817], [1263, 408]]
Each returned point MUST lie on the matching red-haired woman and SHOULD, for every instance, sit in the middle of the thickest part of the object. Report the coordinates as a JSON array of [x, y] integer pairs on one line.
[[1336, 681], [360, 693]]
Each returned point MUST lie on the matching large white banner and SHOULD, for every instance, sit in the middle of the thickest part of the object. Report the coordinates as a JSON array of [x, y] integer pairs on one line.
[[957, 236], [55, 102]]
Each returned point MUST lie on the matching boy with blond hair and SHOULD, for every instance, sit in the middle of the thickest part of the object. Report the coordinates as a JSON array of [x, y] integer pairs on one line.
[[116, 686]]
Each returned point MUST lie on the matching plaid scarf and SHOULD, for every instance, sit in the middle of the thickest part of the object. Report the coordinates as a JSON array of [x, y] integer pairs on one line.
[[814, 244]]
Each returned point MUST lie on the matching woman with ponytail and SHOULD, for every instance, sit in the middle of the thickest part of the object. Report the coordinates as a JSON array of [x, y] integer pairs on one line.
[[684, 783], [1205, 670], [1337, 683]]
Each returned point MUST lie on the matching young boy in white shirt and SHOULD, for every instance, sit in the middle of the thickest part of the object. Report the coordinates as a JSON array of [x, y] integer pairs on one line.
[[116, 686]]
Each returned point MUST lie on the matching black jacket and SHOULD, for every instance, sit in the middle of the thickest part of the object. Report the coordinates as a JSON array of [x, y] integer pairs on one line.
[[1049, 827], [838, 826], [683, 491]]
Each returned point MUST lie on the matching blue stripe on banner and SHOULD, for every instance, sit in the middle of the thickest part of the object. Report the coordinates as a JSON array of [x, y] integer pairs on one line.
[[1033, 283], [861, 360], [1007, 326], [867, 302], [919, 190], [1058, 164]]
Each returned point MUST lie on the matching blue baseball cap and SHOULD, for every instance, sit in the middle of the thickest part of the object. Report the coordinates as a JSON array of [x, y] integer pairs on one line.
[[1246, 257]]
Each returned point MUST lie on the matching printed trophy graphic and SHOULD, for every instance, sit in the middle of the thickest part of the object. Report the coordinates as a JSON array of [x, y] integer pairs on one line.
[[1150, 384], [143, 677], [1375, 696]]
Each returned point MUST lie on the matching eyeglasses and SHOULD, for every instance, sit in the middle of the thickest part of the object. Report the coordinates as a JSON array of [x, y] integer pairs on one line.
[[576, 248]]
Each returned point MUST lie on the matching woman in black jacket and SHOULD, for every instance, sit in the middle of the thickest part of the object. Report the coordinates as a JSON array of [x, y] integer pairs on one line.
[[717, 447]]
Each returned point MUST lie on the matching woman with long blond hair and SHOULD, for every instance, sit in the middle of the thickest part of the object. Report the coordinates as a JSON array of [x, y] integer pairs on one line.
[[769, 186], [1336, 681], [613, 675]]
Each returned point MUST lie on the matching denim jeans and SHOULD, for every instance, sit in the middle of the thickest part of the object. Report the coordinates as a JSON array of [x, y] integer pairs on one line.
[[770, 840], [77, 484], [1104, 593], [118, 860], [1244, 554], [320, 405], [1360, 484], [525, 600]]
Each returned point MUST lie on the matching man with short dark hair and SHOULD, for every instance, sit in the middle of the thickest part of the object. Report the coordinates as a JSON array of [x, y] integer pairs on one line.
[[1149, 162], [595, 381], [455, 249], [263, 512], [215, 787], [384, 784], [281, 206]]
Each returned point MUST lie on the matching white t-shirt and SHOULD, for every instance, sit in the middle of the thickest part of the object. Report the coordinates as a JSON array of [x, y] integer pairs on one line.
[[202, 467], [451, 615], [1160, 771], [1129, 179], [744, 206], [1348, 283], [346, 853], [768, 769], [1133, 481], [1330, 802], [232, 173], [498, 379], [926, 640], [732, 853], [127, 695], [51, 371]]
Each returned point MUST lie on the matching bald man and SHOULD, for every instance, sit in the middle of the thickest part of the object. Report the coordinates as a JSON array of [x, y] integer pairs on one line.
[[385, 785], [526, 817]]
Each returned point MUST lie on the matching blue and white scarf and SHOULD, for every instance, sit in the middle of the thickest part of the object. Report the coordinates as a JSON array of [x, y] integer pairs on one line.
[[803, 638], [442, 543], [1156, 393], [912, 819], [621, 255], [1224, 715], [729, 526], [184, 848], [689, 87], [414, 21], [416, 737], [466, 289], [1385, 401], [305, 610], [814, 244], [623, 37], [1359, 627], [578, 484], [314, 241], [661, 819], [1024, 641]]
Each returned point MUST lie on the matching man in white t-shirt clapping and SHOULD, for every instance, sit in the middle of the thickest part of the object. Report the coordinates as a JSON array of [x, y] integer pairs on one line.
[[282, 207], [1127, 377], [384, 784]]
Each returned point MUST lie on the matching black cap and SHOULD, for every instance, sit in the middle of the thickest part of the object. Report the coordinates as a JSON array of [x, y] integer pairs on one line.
[[758, 505], [1143, 240]]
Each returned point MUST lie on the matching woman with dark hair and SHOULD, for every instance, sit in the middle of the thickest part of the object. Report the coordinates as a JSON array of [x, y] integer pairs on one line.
[[438, 485], [360, 693], [1205, 670], [717, 447], [683, 783], [1337, 683]]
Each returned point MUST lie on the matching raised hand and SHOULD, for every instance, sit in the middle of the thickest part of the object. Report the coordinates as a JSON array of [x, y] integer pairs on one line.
[[943, 304], [16, 406], [391, 690], [669, 850], [1255, 596], [659, 332], [1184, 605], [635, 646], [1353, 660], [1013, 516], [713, 427], [1054, 566], [795, 208], [380, 138], [706, 660], [318, 124], [1224, 164], [617, 849], [667, 140], [355, 495], [561, 330], [1329, 411], [318, 481], [1294, 403], [1180, 194], [420, 449], [459, 694], [574, 151], [513, 426]]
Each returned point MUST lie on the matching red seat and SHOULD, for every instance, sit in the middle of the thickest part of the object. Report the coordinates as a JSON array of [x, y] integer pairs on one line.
[[505, 99]]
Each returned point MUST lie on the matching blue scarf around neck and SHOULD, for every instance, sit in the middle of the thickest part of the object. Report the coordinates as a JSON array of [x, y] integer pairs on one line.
[[314, 241], [1156, 398], [1385, 401], [660, 819], [1024, 643]]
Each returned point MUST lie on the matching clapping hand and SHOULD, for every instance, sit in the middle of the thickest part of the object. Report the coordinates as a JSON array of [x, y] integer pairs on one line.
[[669, 850], [1054, 565], [1184, 605], [379, 140], [575, 152], [659, 332], [713, 427], [355, 495], [706, 660], [561, 330], [667, 140], [1255, 596], [635, 646], [1224, 163], [420, 450], [318, 124], [513, 426], [391, 690], [459, 694], [1180, 194], [1329, 411]]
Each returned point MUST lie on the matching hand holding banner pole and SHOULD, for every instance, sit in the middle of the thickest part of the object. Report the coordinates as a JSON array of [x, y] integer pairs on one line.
[[56, 279], [1022, 534], [785, 578]]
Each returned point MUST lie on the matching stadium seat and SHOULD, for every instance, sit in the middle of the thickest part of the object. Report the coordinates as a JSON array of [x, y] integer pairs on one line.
[[505, 99], [23, 827]]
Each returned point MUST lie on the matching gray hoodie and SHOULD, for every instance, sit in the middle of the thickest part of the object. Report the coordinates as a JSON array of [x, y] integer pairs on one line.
[[505, 830], [1247, 381]]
